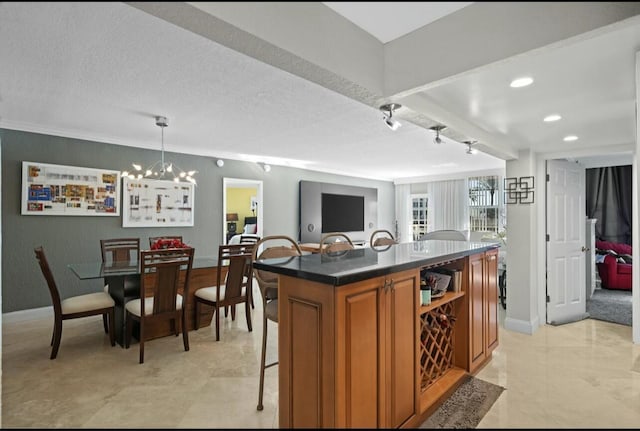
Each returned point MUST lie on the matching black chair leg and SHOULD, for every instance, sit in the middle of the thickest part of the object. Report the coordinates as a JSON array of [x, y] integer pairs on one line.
[[112, 326]]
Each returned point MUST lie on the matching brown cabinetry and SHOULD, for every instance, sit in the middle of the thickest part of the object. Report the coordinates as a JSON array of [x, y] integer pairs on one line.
[[483, 307], [377, 315], [360, 373], [365, 353]]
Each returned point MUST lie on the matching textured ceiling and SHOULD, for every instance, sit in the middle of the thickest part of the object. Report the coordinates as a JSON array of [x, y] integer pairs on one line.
[[102, 71]]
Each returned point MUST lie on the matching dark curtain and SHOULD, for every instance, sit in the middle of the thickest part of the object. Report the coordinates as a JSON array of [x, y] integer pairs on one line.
[[608, 196]]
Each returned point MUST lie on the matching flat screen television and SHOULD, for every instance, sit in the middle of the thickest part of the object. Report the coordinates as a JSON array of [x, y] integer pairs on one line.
[[342, 213]]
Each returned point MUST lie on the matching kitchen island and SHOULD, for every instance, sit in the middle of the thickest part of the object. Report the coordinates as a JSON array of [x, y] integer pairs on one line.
[[356, 347]]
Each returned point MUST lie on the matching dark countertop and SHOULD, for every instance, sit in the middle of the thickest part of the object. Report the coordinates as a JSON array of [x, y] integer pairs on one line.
[[360, 264]]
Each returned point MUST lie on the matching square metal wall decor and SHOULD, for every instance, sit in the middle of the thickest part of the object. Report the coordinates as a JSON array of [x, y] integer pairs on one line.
[[519, 190]]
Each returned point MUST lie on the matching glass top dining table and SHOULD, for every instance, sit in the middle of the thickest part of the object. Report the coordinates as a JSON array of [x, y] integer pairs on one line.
[[91, 270]]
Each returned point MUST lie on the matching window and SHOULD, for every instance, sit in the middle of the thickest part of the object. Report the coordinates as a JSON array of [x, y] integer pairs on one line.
[[486, 208], [419, 217]]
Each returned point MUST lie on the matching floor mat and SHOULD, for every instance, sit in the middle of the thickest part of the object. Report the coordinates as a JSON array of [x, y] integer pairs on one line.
[[611, 305], [466, 407]]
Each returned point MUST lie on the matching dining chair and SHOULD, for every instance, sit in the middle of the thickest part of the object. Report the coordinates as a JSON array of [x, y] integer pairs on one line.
[[386, 238], [91, 304], [268, 284], [124, 251], [121, 250], [160, 272], [231, 288], [246, 247], [447, 234], [335, 241]]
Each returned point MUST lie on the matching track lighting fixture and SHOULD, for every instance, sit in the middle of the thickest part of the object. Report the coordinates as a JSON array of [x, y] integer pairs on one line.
[[388, 115], [438, 129], [469, 144]]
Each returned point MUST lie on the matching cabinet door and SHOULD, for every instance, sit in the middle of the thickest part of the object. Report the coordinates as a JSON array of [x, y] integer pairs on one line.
[[360, 348], [477, 307], [491, 292], [402, 308]]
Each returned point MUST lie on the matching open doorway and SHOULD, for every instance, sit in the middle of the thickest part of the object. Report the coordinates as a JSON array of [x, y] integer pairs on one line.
[[241, 208]]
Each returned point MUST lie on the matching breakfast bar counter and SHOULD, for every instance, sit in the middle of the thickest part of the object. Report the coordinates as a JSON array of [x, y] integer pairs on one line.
[[356, 346]]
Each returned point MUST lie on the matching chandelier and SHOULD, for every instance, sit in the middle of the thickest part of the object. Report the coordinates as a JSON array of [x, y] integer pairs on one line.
[[161, 170]]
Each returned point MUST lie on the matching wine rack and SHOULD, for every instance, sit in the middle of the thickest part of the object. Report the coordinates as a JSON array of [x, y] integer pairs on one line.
[[436, 343]]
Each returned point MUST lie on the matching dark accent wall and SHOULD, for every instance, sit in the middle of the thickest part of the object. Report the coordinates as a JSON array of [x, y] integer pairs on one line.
[[69, 239]]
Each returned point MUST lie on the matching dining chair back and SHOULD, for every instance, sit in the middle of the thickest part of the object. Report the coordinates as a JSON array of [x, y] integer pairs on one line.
[[122, 251], [447, 234], [335, 241], [268, 284], [233, 284], [249, 239], [119, 249], [381, 237], [91, 304], [164, 292]]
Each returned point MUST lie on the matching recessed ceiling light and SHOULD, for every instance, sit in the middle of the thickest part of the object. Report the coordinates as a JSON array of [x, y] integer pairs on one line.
[[552, 117], [521, 82], [570, 138]]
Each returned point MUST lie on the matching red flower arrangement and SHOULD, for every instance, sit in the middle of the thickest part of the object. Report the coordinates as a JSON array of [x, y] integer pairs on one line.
[[166, 243]]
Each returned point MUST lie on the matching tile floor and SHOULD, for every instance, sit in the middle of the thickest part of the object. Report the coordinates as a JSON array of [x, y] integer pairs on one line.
[[581, 375]]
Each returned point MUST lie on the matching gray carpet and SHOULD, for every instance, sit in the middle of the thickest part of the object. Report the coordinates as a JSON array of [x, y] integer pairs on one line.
[[466, 407], [611, 306]]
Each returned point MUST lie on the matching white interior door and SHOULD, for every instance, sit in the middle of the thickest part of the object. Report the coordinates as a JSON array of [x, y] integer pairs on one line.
[[566, 209]]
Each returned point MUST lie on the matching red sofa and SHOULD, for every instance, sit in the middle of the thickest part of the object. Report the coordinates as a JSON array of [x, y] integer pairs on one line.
[[613, 272]]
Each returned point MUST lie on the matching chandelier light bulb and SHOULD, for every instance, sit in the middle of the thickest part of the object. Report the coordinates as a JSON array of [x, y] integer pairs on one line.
[[136, 166], [191, 173], [170, 168], [182, 175], [146, 174], [125, 173]]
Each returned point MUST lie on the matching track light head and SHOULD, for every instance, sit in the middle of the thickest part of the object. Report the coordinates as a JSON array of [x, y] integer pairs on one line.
[[388, 115], [469, 149], [437, 129]]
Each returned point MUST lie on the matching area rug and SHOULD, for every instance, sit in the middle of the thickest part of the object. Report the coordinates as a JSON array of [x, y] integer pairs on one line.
[[611, 306], [466, 407]]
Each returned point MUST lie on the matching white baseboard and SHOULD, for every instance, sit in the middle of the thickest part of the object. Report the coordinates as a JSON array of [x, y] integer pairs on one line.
[[522, 326], [26, 315]]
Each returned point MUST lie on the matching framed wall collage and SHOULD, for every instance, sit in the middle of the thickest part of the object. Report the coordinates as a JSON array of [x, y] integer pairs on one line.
[[49, 189], [155, 203]]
